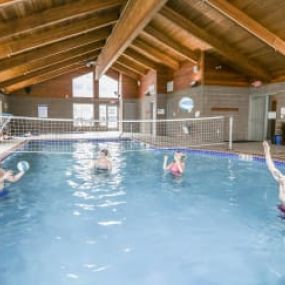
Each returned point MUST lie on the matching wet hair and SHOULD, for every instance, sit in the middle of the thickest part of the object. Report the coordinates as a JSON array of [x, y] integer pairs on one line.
[[105, 151], [182, 155]]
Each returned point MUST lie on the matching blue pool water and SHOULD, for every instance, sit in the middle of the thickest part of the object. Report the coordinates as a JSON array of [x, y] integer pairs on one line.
[[64, 224]]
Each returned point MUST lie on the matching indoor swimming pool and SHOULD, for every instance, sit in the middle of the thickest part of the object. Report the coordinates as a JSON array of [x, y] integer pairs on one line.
[[63, 223]]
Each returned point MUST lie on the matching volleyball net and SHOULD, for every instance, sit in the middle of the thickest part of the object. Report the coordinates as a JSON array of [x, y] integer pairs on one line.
[[31, 134]]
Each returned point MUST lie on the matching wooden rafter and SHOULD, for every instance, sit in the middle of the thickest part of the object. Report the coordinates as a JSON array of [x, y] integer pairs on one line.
[[141, 59], [164, 39], [123, 69], [82, 57], [154, 53], [34, 65], [16, 46], [124, 60], [54, 15], [136, 15], [232, 56], [252, 26], [44, 77], [54, 48], [8, 2]]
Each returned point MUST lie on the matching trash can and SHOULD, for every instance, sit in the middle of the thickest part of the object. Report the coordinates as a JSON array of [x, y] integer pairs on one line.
[[278, 139]]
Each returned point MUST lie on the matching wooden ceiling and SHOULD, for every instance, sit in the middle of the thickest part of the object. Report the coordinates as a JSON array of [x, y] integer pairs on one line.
[[42, 39]]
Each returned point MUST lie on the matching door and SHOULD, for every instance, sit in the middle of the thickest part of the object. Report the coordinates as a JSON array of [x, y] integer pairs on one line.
[[271, 122], [112, 112], [108, 116], [258, 118]]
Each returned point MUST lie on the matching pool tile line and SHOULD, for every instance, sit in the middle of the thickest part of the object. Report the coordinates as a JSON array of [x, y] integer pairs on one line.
[[216, 153]]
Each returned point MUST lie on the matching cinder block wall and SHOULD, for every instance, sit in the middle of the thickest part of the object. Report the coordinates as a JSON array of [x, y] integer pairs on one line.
[[277, 90], [215, 101]]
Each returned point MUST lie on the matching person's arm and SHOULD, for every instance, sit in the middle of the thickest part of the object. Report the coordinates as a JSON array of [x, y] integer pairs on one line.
[[14, 178], [277, 175], [165, 159], [2, 176], [180, 166], [91, 164]]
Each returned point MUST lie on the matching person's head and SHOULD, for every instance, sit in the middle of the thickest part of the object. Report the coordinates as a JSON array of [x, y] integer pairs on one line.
[[104, 152], [180, 156]]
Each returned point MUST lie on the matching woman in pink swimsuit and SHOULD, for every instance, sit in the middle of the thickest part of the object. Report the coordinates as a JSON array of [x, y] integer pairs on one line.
[[177, 166]]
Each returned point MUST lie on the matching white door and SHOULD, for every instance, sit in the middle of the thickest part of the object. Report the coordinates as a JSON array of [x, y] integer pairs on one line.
[[257, 118], [108, 116], [112, 117]]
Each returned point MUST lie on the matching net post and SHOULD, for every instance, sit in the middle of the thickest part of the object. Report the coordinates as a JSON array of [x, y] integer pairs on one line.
[[132, 131], [231, 121]]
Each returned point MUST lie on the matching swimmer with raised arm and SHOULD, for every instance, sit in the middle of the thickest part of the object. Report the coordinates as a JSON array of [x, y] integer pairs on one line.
[[103, 162], [177, 166], [7, 176], [277, 175]]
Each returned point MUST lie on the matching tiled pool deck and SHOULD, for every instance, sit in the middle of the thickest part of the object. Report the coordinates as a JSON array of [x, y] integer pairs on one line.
[[251, 148]]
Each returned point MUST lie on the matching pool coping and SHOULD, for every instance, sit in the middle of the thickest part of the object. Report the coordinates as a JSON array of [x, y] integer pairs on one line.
[[217, 153]]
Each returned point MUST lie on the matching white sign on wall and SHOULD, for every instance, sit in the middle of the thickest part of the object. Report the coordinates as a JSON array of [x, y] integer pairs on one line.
[[42, 111], [151, 89], [169, 86], [271, 115], [160, 111]]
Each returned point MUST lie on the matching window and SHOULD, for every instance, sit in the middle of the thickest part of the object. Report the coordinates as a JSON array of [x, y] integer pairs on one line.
[[108, 87], [108, 116], [83, 86], [42, 111], [83, 115]]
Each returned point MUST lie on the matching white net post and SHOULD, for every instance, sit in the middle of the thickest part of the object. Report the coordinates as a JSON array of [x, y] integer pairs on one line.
[[231, 122]]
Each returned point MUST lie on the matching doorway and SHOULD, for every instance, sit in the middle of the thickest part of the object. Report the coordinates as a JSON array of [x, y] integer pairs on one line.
[[272, 108], [108, 116], [258, 118]]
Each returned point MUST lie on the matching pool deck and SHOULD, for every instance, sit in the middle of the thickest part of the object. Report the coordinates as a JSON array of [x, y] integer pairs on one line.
[[6, 147], [251, 148]]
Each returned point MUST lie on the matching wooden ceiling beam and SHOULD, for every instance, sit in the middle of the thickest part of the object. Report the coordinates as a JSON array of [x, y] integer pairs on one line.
[[121, 68], [34, 65], [141, 59], [124, 60], [249, 24], [55, 48], [43, 78], [164, 39], [135, 16], [23, 44], [154, 53], [55, 15], [82, 57], [232, 56], [8, 2]]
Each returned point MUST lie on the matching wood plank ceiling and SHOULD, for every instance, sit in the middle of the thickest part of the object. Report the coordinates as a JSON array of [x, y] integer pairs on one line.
[[40, 40]]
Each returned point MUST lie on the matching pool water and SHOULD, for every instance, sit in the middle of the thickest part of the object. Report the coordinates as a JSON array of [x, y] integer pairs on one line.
[[64, 224]]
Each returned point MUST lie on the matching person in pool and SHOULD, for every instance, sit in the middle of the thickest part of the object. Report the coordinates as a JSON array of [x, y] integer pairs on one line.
[[7, 175], [103, 162], [277, 175], [177, 166]]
